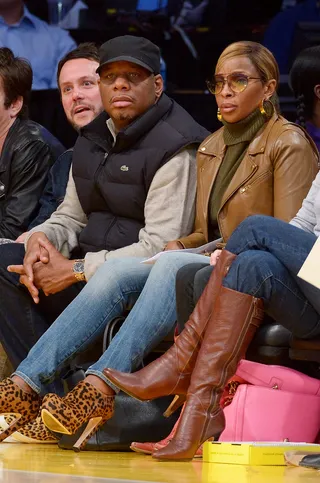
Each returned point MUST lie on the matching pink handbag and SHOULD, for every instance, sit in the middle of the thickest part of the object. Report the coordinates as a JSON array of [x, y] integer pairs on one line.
[[278, 404]]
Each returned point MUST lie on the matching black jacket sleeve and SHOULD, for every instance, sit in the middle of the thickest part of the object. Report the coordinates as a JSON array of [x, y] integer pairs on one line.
[[55, 189], [23, 186]]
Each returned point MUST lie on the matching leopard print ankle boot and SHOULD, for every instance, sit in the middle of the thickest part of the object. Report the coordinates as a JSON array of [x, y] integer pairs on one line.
[[21, 405], [84, 404]]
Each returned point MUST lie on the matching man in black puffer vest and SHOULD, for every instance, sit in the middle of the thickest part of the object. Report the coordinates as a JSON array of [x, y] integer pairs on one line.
[[132, 189]]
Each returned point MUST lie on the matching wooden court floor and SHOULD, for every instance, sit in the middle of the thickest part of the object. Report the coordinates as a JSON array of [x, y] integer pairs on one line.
[[41, 460]]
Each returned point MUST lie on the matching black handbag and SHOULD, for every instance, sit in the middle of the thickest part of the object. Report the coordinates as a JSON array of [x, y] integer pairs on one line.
[[133, 420]]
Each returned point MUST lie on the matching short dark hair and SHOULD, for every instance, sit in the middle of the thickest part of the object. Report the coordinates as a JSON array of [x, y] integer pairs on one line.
[[16, 75], [86, 50], [303, 77]]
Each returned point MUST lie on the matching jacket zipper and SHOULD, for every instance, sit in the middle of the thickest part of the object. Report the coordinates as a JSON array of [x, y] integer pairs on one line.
[[101, 165], [261, 176]]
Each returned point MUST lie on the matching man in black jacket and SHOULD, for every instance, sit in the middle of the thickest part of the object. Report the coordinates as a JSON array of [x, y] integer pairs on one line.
[[25, 155], [132, 189]]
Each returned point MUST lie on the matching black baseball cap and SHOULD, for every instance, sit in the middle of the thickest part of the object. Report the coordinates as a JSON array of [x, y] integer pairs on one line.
[[137, 50]]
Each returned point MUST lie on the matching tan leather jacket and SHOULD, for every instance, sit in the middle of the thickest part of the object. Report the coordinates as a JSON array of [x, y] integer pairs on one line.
[[273, 178]]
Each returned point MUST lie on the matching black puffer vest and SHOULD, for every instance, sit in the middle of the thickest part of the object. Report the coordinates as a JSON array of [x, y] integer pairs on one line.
[[112, 182]]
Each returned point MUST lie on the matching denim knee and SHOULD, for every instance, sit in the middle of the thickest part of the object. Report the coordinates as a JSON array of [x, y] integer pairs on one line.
[[117, 271], [250, 270], [250, 230]]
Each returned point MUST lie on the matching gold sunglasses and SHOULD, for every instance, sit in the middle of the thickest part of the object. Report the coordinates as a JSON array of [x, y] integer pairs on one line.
[[236, 82]]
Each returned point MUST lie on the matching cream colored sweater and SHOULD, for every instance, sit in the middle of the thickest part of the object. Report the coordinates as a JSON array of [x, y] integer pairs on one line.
[[169, 213]]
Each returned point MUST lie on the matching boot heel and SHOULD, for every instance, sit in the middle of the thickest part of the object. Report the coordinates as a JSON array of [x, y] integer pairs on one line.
[[92, 427], [176, 403]]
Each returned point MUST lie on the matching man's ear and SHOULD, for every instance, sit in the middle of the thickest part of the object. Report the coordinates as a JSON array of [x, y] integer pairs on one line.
[[316, 91], [158, 83], [16, 106]]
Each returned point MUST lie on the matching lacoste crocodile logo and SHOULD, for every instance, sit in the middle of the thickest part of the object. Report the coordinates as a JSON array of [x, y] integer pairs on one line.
[[124, 168]]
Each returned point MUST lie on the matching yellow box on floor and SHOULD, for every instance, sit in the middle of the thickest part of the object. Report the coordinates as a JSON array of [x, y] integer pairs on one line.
[[255, 454]]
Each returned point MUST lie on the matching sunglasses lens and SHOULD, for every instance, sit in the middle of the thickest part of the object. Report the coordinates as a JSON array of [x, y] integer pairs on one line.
[[216, 85], [238, 83]]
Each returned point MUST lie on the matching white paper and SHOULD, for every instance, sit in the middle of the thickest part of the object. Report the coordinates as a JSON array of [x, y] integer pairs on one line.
[[207, 248], [310, 270]]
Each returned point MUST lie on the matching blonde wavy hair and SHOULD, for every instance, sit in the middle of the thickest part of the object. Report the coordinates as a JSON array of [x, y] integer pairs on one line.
[[262, 59]]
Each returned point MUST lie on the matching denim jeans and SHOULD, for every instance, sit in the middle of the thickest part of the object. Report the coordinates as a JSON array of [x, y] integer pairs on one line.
[[117, 285], [270, 254]]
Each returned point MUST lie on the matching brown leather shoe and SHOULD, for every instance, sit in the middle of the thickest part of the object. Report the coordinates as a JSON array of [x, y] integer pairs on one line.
[[229, 332], [170, 373], [150, 448]]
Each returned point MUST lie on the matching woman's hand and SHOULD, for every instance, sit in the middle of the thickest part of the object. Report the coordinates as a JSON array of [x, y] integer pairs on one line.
[[174, 245], [214, 257]]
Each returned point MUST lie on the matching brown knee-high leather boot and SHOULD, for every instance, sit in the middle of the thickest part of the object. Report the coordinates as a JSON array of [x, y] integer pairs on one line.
[[233, 322], [170, 373]]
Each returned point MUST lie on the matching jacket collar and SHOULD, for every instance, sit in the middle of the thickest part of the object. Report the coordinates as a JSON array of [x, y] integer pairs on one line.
[[98, 132], [259, 142], [26, 18], [6, 151], [215, 146]]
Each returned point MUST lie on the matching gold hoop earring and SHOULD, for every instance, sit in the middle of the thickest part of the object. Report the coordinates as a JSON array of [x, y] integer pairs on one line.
[[219, 115], [262, 109], [266, 108]]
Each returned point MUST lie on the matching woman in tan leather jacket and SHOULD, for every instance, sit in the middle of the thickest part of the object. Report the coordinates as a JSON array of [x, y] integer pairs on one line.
[[274, 175], [257, 163]]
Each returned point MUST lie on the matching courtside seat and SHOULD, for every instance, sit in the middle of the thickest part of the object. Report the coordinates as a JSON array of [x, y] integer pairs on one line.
[[305, 350], [271, 345], [274, 344]]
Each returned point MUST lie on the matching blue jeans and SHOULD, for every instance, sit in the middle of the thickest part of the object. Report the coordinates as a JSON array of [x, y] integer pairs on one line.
[[270, 254], [118, 284]]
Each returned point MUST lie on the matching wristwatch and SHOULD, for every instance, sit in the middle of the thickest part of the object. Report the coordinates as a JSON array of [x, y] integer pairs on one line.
[[78, 270]]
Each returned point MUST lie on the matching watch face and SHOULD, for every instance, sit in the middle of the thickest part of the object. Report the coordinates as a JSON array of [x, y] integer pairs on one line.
[[78, 267]]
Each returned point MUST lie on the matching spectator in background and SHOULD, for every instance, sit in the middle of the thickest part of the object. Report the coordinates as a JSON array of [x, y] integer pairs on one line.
[[81, 101], [280, 33], [29, 37], [72, 19], [191, 15], [26, 156], [304, 79]]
